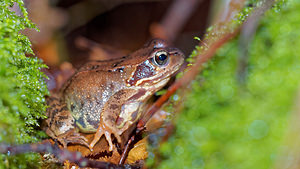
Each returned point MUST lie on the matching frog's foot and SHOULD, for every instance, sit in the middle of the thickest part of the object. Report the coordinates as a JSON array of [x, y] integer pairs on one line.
[[106, 131], [73, 138]]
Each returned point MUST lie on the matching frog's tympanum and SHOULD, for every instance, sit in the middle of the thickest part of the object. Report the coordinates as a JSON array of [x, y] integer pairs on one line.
[[108, 97]]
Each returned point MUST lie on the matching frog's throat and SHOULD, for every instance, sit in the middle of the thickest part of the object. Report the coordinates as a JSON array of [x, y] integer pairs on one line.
[[137, 106], [87, 129]]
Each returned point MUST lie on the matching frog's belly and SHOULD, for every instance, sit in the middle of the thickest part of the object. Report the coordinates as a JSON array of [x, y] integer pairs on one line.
[[88, 119], [86, 114]]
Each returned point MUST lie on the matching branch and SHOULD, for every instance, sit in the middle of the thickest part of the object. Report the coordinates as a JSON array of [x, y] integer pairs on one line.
[[247, 32], [174, 20], [62, 155], [186, 78], [189, 75]]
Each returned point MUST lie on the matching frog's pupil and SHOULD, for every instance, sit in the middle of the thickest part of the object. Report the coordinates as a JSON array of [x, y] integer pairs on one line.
[[162, 57]]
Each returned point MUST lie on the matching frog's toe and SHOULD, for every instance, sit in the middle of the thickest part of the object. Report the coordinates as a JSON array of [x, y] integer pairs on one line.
[[97, 137], [118, 138], [78, 140], [62, 142], [103, 130], [73, 138], [108, 138]]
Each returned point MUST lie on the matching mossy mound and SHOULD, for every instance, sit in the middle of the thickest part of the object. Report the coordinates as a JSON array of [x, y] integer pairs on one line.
[[22, 88], [227, 125]]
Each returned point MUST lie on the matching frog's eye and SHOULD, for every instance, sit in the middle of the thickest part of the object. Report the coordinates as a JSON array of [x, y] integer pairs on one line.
[[161, 57]]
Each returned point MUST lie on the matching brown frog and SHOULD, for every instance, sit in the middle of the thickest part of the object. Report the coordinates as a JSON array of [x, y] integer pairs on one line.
[[108, 97]]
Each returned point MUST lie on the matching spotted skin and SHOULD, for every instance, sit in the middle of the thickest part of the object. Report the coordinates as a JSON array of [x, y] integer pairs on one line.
[[108, 97]]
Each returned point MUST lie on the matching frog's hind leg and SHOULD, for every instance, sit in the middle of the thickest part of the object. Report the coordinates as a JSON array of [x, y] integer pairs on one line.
[[73, 137], [106, 131], [60, 125]]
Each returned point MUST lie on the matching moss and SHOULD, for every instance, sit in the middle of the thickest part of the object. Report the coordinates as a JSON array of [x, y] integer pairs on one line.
[[225, 125], [22, 88]]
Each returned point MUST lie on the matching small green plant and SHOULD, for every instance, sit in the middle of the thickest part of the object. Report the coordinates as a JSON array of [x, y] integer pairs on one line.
[[22, 88]]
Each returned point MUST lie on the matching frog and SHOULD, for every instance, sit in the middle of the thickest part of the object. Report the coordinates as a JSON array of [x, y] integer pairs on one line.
[[109, 97]]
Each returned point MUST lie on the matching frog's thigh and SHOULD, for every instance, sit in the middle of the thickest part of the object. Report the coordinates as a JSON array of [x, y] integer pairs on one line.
[[129, 113], [122, 104], [60, 120]]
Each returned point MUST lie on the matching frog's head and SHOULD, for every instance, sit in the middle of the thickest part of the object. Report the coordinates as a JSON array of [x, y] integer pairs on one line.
[[160, 62]]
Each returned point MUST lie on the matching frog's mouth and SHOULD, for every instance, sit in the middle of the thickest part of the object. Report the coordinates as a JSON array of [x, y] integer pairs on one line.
[[157, 81], [152, 83]]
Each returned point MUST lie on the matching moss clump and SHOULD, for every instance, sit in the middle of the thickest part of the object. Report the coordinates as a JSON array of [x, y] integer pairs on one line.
[[22, 88], [225, 125]]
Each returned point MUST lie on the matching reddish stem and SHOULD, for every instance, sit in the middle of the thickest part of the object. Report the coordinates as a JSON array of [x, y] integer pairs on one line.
[[185, 79]]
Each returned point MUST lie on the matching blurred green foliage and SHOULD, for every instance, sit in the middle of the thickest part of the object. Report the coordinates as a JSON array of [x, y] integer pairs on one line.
[[226, 125], [22, 88]]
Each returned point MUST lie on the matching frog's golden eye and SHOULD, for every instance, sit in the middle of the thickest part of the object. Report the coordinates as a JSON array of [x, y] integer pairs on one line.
[[161, 57]]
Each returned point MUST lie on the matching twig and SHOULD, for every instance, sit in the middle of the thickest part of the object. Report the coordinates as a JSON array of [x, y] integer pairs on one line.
[[174, 20], [62, 155], [186, 79], [247, 32], [126, 150], [288, 156]]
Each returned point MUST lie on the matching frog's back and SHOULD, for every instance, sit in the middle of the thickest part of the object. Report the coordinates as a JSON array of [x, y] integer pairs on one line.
[[135, 58]]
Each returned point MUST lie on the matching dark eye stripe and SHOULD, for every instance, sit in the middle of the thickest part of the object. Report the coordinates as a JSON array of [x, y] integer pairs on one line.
[[145, 70]]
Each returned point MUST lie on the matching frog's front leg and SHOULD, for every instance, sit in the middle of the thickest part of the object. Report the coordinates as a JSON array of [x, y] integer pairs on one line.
[[60, 125], [117, 115]]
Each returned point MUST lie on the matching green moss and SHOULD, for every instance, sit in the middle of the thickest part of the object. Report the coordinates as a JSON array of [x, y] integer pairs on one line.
[[22, 88], [225, 125]]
